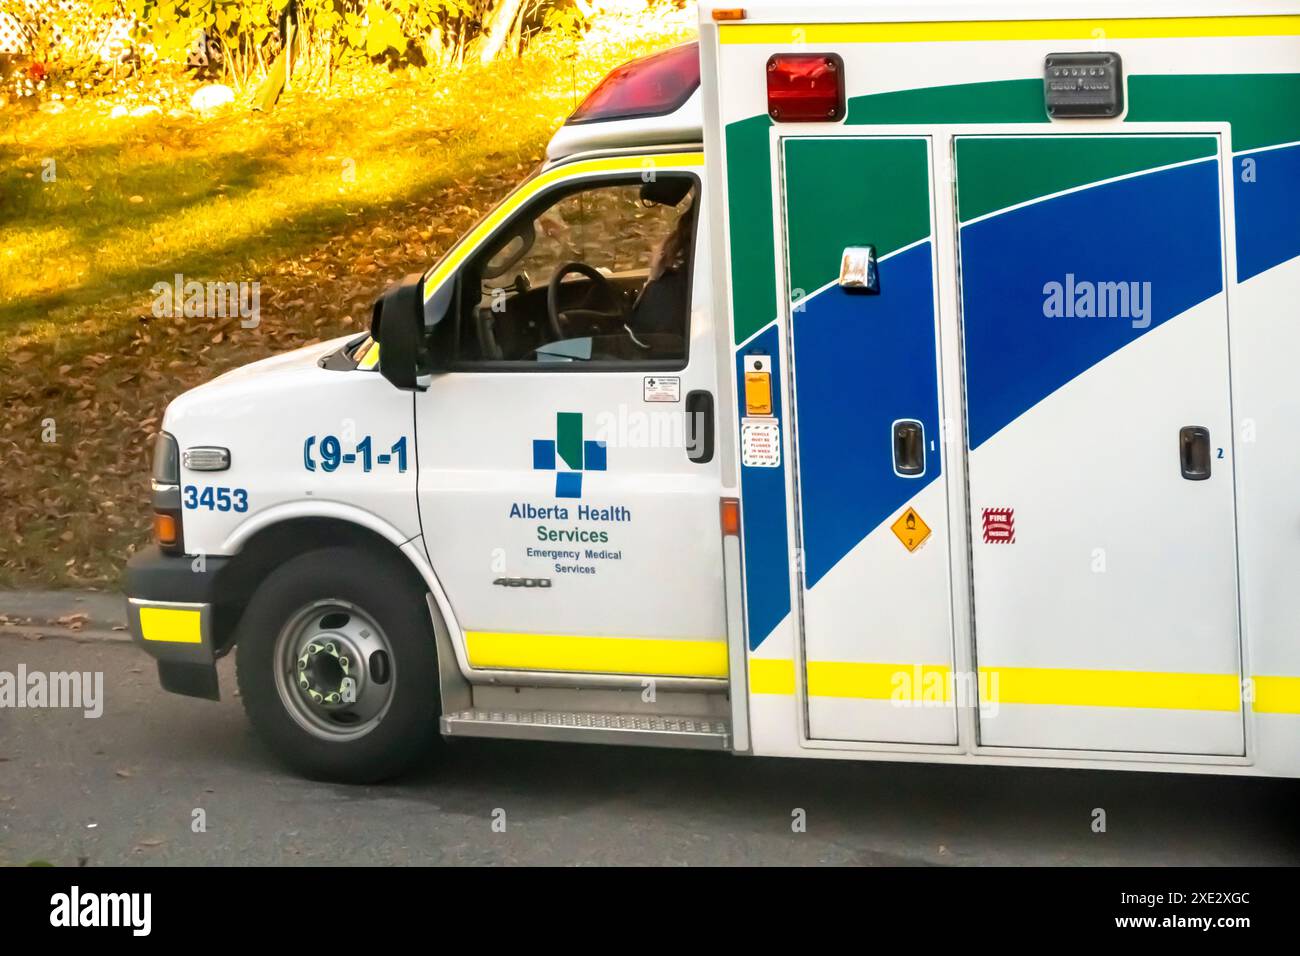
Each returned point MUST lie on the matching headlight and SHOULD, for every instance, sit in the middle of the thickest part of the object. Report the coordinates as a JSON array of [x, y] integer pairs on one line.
[[166, 460], [167, 494]]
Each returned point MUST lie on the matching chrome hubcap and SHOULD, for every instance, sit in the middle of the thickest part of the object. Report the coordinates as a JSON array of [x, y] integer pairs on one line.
[[334, 670]]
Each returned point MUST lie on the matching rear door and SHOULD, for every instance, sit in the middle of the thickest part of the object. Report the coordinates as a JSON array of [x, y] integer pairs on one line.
[[1099, 431], [871, 485]]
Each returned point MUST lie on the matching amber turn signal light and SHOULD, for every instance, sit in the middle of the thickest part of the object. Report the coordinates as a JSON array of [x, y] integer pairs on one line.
[[731, 516], [164, 528]]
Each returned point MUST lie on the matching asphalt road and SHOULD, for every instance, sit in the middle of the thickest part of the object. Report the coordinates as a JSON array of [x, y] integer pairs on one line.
[[123, 788]]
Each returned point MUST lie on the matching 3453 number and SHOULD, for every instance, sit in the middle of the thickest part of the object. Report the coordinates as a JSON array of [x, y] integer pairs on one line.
[[216, 499]]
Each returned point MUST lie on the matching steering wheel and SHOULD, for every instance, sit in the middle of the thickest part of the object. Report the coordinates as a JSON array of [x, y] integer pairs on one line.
[[598, 280]]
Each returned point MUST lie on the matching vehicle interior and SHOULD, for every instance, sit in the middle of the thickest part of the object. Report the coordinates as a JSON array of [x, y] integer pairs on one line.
[[598, 273]]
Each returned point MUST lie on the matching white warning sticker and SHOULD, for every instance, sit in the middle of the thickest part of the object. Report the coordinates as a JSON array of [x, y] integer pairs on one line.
[[663, 388], [760, 442]]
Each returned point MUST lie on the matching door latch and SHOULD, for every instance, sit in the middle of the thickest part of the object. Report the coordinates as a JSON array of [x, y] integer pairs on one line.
[[909, 448], [1194, 452]]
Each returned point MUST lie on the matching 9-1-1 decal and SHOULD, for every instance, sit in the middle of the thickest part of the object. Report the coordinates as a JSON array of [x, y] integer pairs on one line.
[[328, 453]]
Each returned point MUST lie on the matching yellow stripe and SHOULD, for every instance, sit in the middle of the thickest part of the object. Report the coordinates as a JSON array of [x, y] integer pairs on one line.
[[1029, 685], [597, 655], [1277, 695], [1098, 688], [526, 191], [769, 676], [1136, 28], [170, 624], [899, 682]]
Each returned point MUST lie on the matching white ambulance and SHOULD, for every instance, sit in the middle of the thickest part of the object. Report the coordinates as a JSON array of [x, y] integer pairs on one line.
[[903, 381]]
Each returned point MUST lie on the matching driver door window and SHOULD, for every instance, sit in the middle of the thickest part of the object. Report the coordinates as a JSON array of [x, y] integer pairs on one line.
[[593, 275]]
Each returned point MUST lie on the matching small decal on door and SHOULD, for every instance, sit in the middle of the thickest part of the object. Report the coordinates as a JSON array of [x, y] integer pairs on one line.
[[760, 443], [999, 525], [662, 388], [910, 529]]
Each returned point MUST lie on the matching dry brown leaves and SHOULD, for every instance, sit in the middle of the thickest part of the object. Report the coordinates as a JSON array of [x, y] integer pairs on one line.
[[76, 508]]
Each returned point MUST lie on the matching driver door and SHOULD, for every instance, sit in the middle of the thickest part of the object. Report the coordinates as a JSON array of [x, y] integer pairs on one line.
[[566, 507]]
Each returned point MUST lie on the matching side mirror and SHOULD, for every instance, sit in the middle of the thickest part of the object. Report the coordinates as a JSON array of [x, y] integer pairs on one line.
[[397, 324]]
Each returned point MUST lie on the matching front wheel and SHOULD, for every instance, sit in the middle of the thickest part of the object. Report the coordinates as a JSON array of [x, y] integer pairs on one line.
[[337, 666]]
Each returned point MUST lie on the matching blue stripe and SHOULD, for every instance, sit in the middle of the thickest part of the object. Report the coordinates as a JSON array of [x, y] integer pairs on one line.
[[1267, 193], [766, 545], [1161, 227], [861, 363]]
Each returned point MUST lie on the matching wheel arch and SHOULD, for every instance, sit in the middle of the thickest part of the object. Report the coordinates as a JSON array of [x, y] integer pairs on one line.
[[259, 550]]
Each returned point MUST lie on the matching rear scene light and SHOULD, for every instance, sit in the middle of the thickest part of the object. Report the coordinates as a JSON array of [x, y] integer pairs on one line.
[[651, 86], [805, 87]]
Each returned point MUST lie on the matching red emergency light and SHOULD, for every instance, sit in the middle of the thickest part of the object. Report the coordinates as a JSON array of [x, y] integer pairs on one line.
[[805, 87], [650, 86]]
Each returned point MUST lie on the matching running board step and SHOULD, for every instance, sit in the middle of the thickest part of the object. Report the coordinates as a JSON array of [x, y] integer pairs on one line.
[[640, 730]]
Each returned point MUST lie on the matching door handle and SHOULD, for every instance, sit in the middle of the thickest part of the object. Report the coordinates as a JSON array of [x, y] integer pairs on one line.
[[1194, 452], [699, 426], [909, 448]]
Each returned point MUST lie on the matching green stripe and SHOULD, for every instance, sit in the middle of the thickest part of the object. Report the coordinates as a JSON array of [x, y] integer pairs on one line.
[[568, 438], [852, 192], [1000, 171], [997, 101], [749, 211], [1263, 108]]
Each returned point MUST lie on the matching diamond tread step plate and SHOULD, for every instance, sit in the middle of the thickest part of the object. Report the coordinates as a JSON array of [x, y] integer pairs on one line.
[[649, 730]]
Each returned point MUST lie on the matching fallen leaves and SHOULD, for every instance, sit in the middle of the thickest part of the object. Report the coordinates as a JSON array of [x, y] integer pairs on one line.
[[77, 506]]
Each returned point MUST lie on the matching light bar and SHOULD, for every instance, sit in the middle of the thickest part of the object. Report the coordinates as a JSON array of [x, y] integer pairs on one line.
[[651, 86]]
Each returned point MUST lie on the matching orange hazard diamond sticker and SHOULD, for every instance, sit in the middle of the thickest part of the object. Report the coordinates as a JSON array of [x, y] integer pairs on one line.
[[910, 529]]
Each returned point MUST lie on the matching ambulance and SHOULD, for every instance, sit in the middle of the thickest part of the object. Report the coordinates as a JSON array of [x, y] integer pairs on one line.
[[895, 381]]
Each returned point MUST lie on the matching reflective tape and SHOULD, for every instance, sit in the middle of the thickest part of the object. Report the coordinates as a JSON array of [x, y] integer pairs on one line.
[[949, 31], [1044, 686], [597, 655], [171, 625]]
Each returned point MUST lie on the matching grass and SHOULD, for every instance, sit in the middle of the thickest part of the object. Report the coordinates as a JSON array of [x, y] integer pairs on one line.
[[323, 201]]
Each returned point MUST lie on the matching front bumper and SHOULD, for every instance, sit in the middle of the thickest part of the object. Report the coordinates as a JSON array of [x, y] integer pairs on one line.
[[171, 613]]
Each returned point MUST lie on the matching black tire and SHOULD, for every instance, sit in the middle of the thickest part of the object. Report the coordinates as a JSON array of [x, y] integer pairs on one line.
[[380, 587]]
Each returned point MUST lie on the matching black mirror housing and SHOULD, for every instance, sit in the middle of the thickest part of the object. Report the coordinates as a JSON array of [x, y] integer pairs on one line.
[[397, 324]]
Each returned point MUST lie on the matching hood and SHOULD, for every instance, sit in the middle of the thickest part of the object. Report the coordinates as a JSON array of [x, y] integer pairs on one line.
[[242, 390], [308, 355]]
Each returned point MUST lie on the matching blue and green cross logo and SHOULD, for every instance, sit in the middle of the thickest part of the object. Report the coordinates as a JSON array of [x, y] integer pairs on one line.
[[572, 451]]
